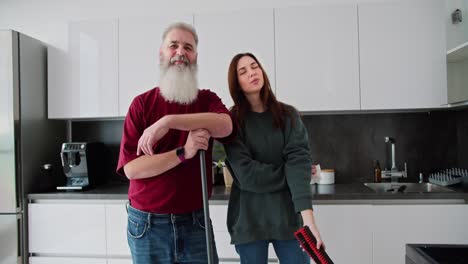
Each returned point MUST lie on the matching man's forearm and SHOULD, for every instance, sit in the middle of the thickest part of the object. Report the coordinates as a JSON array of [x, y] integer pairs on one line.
[[146, 166], [219, 125]]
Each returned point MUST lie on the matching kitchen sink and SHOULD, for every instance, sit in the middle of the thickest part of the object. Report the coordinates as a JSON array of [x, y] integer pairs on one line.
[[407, 187]]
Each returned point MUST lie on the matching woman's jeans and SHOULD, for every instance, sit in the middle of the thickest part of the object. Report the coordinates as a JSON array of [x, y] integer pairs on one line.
[[287, 251], [167, 238]]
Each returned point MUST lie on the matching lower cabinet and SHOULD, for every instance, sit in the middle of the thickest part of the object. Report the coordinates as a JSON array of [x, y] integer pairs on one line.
[[76, 229], [345, 229], [94, 232], [226, 251], [119, 261], [62, 260], [346, 232], [394, 226], [116, 230]]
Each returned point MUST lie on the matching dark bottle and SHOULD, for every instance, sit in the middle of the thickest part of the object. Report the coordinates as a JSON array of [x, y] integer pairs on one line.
[[377, 172]]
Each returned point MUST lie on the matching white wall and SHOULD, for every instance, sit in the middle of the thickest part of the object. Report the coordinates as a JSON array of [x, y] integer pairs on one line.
[[47, 20]]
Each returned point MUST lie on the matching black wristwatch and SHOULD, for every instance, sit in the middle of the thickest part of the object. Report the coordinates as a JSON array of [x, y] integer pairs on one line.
[[180, 152]]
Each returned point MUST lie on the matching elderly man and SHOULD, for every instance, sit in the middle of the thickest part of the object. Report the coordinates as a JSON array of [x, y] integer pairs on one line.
[[163, 130]]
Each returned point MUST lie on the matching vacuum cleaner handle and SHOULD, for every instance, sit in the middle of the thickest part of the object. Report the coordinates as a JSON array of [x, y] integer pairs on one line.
[[206, 209]]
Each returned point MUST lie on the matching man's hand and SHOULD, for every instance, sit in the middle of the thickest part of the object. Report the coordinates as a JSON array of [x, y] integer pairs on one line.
[[151, 135], [197, 139]]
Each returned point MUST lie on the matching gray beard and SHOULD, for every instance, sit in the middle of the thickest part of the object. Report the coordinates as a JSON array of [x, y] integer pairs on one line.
[[179, 83]]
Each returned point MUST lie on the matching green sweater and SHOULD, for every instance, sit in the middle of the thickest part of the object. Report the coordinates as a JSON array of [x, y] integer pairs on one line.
[[271, 171]]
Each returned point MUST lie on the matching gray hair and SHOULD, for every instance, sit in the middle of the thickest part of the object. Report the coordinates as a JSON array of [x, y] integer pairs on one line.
[[183, 26]]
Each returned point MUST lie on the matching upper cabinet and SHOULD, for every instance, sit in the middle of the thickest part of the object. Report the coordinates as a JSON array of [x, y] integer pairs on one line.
[[457, 30], [223, 35], [457, 82], [139, 42], [457, 50], [402, 54], [83, 80], [373, 55], [317, 60]]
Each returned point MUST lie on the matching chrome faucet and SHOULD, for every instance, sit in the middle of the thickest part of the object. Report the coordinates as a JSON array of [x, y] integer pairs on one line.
[[392, 142], [394, 173]]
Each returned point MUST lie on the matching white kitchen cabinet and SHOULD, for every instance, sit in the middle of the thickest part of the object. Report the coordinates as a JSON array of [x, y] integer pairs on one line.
[[67, 229], [394, 226], [62, 260], [457, 81], [457, 53], [59, 84], [139, 42], [78, 231], [223, 245], [84, 231], [119, 261], [116, 230], [218, 215], [402, 54], [317, 60], [346, 232], [457, 34], [226, 251], [338, 224], [223, 35], [83, 80]]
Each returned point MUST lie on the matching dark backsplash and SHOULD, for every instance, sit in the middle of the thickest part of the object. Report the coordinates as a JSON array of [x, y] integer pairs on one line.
[[462, 137], [108, 132], [348, 143]]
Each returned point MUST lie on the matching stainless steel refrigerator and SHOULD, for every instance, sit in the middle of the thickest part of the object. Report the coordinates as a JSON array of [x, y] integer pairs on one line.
[[27, 138]]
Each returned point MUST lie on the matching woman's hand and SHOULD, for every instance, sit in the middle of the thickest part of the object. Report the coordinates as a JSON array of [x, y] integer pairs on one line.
[[308, 219], [313, 228]]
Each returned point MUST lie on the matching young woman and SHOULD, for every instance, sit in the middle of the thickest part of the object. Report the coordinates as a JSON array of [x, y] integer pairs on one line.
[[270, 160]]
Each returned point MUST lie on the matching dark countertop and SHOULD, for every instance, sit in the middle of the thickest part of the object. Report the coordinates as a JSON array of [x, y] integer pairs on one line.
[[322, 194], [436, 253]]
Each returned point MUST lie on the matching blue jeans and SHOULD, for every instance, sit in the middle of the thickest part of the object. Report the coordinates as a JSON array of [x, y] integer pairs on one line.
[[287, 251], [167, 238]]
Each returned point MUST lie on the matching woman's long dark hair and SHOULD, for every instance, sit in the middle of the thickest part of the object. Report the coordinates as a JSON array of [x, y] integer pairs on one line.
[[241, 105]]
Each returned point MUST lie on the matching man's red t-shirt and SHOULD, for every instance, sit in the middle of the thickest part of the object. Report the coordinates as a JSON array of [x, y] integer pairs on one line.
[[179, 189]]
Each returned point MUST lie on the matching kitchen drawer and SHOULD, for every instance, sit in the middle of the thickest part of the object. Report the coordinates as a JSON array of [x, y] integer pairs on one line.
[[67, 229], [116, 230], [227, 251], [218, 215], [223, 245], [119, 261], [67, 260]]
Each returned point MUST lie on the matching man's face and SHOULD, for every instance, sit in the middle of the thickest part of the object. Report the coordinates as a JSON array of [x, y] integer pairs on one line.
[[178, 48], [178, 67]]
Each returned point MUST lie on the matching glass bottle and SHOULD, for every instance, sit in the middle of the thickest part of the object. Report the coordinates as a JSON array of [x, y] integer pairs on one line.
[[377, 172]]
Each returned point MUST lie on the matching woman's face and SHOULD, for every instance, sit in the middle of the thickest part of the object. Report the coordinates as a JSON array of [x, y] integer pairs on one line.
[[250, 75]]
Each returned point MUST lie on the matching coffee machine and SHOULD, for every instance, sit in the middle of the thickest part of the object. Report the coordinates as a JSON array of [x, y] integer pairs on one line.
[[82, 164]]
